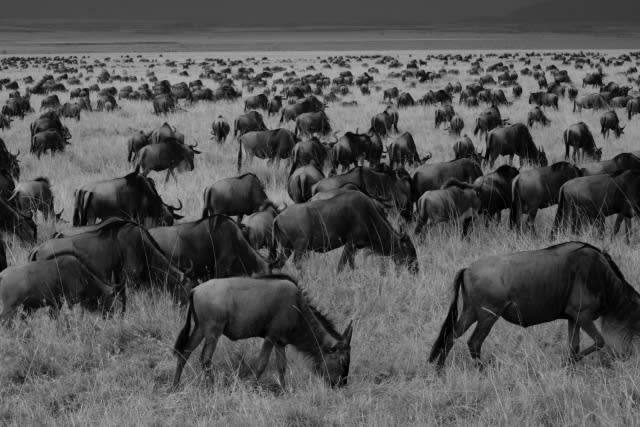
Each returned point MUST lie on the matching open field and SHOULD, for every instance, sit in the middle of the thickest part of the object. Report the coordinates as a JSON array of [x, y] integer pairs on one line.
[[81, 369]]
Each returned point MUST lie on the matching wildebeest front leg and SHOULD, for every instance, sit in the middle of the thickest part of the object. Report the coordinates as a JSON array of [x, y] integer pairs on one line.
[[263, 359], [574, 340], [281, 364], [585, 321]]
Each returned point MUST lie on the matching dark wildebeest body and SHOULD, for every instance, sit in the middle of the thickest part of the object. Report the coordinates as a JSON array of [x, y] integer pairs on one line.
[[49, 121], [220, 129], [5, 122], [49, 140], [272, 145], [71, 111], [609, 121], [589, 200], [165, 133], [302, 180], [514, 140], [208, 248], [494, 191], [444, 115], [432, 176], [13, 221], [621, 162], [382, 123], [380, 185], [403, 150], [258, 228], [241, 195], [544, 99], [464, 149], [352, 220], [310, 104], [132, 196], [573, 281], [309, 151], [455, 201], [274, 106], [309, 123], [272, 307], [136, 142], [115, 250], [36, 195], [538, 188], [350, 149], [456, 125], [166, 156], [50, 283], [247, 122], [536, 115], [256, 102], [633, 107], [590, 101], [488, 120], [581, 139]]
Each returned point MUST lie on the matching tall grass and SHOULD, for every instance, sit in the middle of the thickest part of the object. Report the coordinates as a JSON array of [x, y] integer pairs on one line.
[[80, 369]]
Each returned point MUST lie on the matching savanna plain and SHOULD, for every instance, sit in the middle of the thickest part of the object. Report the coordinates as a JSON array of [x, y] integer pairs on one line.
[[80, 369]]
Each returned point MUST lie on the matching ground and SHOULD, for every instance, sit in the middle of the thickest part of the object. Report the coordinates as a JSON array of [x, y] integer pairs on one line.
[[81, 369]]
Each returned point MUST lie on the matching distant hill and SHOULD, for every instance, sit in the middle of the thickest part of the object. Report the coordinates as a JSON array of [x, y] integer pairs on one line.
[[579, 11]]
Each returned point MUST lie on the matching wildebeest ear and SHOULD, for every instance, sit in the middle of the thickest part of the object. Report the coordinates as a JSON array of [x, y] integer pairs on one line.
[[348, 332]]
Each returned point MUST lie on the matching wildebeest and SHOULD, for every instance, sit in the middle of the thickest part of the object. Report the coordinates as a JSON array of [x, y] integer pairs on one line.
[[405, 100], [133, 196], [352, 220], [535, 189], [256, 102], [136, 142], [116, 250], [247, 122], [5, 122], [592, 79], [240, 195], [591, 101], [544, 99], [258, 227], [513, 140], [581, 139], [211, 247], [302, 180], [70, 110], [609, 121], [167, 156], [49, 121], [19, 223], [455, 201], [274, 106], [273, 145], [487, 120], [382, 123], [620, 162], [164, 103], [271, 307], [431, 176], [36, 195], [220, 129], [494, 191], [403, 150], [633, 107], [51, 102], [380, 185], [536, 115], [310, 123], [310, 104], [308, 151], [444, 115], [49, 140], [573, 281], [464, 148], [589, 200], [456, 125], [50, 283], [350, 149]]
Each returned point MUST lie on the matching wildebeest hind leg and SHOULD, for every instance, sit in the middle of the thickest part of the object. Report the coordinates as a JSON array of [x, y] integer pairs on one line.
[[281, 364], [194, 341], [263, 359], [586, 323], [486, 320], [206, 355], [574, 340], [464, 322]]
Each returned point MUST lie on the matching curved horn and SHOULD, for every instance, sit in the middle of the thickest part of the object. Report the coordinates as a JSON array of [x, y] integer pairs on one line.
[[173, 208], [196, 144], [17, 154], [190, 269]]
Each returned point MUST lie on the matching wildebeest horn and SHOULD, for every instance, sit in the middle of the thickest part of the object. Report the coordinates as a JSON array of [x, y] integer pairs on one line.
[[173, 208], [428, 156], [196, 144], [190, 268], [58, 215], [357, 129], [17, 154]]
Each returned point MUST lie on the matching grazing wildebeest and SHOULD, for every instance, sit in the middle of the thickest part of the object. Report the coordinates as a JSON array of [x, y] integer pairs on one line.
[[544, 99], [310, 104], [256, 102], [251, 121], [50, 283], [220, 129], [514, 140], [132, 196], [14, 221], [592, 79], [49, 121], [456, 125], [536, 115], [620, 101], [431, 176], [573, 281], [621, 162], [71, 111], [211, 247], [302, 180], [609, 121], [405, 100], [274, 106], [50, 140], [258, 227], [382, 123], [5, 122], [535, 189], [36, 195], [456, 201], [403, 150], [494, 191], [240, 195], [352, 220], [272, 307], [380, 185], [464, 149], [350, 149], [167, 156], [390, 93], [165, 133], [164, 103], [591, 101], [115, 250], [308, 151], [633, 107], [273, 145], [589, 200], [444, 115], [51, 102], [309, 123], [136, 142], [581, 139], [487, 120]]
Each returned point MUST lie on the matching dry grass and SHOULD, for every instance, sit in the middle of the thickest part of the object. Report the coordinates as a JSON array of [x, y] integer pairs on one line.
[[80, 369]]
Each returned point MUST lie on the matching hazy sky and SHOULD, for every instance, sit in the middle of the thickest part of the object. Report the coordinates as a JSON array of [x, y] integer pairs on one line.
[[321, 12]]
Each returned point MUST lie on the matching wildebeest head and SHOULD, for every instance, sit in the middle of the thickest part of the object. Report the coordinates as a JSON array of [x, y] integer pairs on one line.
[[542, 157], [336, 358], [189, 155], [405, 254], [619, 131], [169, 214], [597, 154], [64, 132]]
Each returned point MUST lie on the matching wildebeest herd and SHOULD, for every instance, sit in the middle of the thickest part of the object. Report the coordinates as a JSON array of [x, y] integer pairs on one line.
[[374, 187]]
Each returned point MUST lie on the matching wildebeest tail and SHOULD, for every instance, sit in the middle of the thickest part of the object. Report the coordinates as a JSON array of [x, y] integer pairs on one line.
[[183, 336], [240, 154], [446, 332], [477, 129], [560, 214], [78, 208], [516, 202], [574, 105], [206, 197]]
